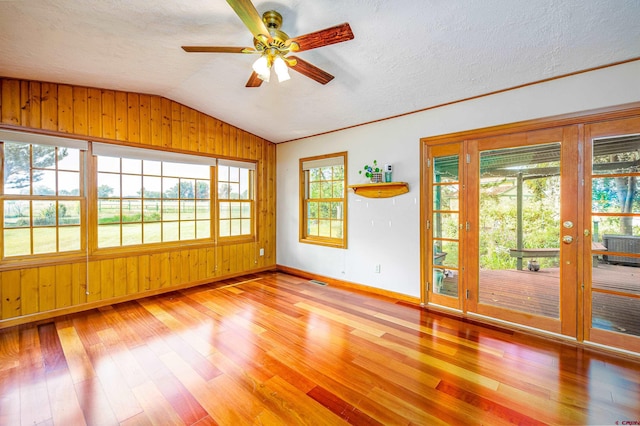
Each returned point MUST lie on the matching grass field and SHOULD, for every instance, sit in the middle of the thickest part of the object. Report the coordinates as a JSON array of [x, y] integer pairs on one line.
[[18, 241], [131, 223]]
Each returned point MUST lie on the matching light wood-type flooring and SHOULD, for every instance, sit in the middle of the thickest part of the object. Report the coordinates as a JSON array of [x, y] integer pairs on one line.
[[276, 349]]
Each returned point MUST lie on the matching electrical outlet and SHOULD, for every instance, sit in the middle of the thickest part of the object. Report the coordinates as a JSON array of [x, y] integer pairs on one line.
[[261, 252], [377, 270]]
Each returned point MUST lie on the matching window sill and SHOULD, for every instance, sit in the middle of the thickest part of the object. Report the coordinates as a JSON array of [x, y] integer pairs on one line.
[[340, 244]]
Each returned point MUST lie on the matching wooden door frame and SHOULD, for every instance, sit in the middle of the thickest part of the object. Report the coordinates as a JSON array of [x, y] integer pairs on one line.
[[593, 131], [442, 300], [579, 119]]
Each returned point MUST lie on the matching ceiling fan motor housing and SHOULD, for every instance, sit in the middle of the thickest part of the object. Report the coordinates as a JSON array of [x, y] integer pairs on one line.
[[273, 22], [272, 19]]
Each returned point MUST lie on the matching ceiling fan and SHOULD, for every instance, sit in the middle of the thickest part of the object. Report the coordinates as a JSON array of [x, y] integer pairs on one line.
[[273, 45]]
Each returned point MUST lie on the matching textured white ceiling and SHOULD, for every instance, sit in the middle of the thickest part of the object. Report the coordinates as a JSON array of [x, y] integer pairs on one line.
[[407, 55]]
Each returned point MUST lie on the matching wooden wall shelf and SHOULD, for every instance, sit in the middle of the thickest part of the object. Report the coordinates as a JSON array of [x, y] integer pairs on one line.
[[380, 190]]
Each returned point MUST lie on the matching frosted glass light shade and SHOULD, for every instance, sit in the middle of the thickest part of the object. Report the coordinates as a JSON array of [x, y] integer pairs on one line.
[[281, 69], [261, 67]]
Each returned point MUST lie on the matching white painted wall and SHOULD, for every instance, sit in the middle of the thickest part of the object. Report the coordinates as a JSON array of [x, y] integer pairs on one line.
[[387, 231]]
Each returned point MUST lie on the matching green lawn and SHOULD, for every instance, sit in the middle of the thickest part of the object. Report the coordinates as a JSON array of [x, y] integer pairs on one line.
[[17, 241], [133, 224]]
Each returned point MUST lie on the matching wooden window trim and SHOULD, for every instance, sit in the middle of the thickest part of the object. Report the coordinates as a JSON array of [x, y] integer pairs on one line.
[[150, 246], [57, 255], [303, 201], [235, 239]]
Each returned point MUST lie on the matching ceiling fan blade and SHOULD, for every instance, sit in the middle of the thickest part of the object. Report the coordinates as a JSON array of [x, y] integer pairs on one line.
[[325, 37], [254, 80], [311, 71], [218, 49], [250, 16]]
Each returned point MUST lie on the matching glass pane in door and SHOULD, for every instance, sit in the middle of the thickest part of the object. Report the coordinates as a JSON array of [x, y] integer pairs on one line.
[[615, 248], [519, 229], [445, 222]]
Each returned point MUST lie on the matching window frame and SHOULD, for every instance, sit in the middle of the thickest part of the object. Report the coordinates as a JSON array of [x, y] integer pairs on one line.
[[251, 181], [334, 159], [135, 153], [85, 198], [56, 199]]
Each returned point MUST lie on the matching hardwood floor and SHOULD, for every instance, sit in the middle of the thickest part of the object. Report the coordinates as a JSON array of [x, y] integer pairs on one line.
[[276, 349]]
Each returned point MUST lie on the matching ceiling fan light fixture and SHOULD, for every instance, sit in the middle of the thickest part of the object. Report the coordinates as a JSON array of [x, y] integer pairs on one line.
[[261, 67], [281, 69], [273, 45]]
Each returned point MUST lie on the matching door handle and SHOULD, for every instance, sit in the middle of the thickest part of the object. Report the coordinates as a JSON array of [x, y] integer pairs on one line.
[[567, 239]]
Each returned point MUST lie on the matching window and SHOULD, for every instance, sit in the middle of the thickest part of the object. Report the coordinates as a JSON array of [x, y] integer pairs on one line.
[[136, 197], [235, 199], [323, 201], [43, 195], [144, 199]]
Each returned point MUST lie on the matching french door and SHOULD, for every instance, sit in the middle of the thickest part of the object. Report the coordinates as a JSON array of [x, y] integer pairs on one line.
[[445, 225], [540, 229], [503, 228], [612, 215]]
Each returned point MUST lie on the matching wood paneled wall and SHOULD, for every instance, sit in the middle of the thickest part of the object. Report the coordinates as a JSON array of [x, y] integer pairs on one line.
[[35, 291]]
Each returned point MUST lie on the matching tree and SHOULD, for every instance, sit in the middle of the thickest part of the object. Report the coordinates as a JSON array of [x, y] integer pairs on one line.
[[224, 190], [202, 190], [18, 158], [105, 191], [46, 216], [145, 193], [626, 190], [603, 195], [183, 190], [43, 190], [498, 219]]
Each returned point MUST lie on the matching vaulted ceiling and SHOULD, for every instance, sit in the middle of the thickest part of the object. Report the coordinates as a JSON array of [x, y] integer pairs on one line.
[[407, 55]]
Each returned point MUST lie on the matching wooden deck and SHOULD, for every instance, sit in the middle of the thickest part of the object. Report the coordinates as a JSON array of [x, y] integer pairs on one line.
[[538, 293], [617, 278], [276, 349], [533, 292]]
